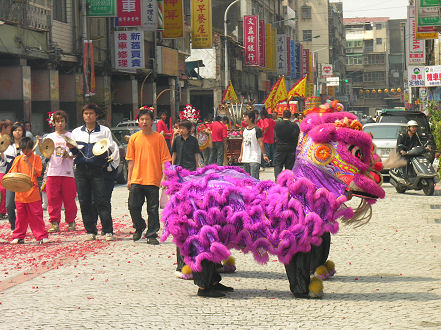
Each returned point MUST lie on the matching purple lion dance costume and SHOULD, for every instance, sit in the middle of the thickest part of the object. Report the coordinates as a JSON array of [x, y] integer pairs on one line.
[[216, 209]]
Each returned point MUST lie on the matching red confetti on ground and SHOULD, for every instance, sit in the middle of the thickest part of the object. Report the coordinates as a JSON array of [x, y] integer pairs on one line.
[[25, 261]]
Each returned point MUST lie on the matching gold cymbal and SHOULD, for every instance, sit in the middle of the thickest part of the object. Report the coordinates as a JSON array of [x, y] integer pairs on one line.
[[5, 141], [69, 140], [36, 143], [47, 148], [101, 147]]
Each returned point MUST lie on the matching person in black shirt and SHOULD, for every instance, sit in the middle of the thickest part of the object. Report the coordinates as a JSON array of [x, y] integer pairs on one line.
[[185, 153], [185, 149], [286, 136]]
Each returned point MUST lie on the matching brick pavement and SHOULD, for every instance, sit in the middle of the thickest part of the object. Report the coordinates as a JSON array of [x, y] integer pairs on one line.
[[388, 276]]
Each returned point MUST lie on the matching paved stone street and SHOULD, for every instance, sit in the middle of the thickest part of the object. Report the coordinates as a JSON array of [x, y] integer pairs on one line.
[[388, 276]]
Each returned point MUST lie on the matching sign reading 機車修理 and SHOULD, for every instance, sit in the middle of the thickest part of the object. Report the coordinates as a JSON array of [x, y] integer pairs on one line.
[[432, 75], [129, 50], [100, 8]]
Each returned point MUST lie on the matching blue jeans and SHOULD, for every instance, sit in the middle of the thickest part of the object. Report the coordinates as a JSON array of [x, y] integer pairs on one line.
[[252, 169], [269, 150], [217, 153]]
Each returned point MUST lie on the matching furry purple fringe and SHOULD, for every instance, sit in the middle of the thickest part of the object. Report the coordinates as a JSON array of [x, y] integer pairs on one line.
[[215, 209]]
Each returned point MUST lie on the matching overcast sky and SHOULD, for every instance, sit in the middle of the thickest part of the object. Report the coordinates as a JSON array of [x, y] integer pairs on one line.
[[375, 8]]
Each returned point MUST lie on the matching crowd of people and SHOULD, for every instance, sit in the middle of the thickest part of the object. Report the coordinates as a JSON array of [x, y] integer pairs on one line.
[[74, 171]]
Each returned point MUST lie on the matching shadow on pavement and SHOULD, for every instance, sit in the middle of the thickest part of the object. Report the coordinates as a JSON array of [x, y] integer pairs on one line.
[[255, 274], [382, 278]]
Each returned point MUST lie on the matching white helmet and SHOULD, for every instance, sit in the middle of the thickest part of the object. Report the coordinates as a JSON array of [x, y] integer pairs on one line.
[[412, 123]]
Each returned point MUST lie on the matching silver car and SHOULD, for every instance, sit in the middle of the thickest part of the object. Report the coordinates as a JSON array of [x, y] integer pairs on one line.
[[385, 137]]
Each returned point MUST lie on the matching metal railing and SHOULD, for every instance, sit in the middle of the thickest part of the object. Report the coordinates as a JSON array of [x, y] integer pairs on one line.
[[25, 13]]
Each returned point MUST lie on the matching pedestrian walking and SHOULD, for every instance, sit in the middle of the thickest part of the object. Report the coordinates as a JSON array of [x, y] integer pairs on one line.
[[147, 154], [252, 147], [60, 182], [161, 127], [185, 153], [286, 136], [219, 138], [91, 172], [205, 128], [28, 203], [268, 136], [8, 158]]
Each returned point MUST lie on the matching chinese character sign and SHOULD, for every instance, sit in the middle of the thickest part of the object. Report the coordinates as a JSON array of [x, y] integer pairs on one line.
[[100, 8], [288, 57], [281, 54], [201, 35], [274, 49], [129, 50], [305, 61], [433, 75], [149, 14], [173, 19], [268, 47], [251, 40], [416, 76], [293, 59], [262, 49], [129, 12], [415, 48]]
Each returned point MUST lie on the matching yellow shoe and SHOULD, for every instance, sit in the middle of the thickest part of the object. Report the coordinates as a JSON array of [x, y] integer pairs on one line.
[[54, 228]]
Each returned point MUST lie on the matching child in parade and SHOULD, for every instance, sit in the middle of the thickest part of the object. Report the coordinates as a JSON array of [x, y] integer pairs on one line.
[[28, 203], [60, 182]]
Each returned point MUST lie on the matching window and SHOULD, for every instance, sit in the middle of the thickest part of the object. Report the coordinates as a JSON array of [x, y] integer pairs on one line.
[[306, 12], [378, 26], [379, 41], [59, 11], [368, 46], [374, 59], [354, 59], [307, 35], [373, 76]]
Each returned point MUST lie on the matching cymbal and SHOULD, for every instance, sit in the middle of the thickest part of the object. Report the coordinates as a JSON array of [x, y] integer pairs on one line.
[[36, 143], [5, 141], [69, 140], [47, 148], [101, 147]]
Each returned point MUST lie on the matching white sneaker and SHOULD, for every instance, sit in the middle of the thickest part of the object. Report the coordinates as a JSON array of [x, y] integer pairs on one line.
[[43, 241], [90, 237], [17, 241], [109, 237]]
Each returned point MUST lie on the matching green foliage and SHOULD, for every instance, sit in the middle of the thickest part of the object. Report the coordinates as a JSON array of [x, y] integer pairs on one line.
[[434, 109]]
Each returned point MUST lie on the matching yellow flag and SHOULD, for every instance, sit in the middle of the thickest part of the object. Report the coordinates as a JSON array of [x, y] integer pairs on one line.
[[230, 94], [277, 94], [298, 89]]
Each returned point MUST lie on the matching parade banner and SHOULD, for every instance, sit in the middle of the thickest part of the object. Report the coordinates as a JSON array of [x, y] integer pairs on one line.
[[129, 50], [149, 15], [288, 57], [293, 59], [416, 76], [298, 90], [281, 55], [201, 34], [129, 12], [251, 40], [262, 48], [268, 47], [103, 8], [173, 19], [277, 94], [230, 94], [270, 96], [274, 49]]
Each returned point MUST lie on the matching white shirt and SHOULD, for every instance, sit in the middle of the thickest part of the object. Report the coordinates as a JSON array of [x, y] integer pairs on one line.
[[251, 152]]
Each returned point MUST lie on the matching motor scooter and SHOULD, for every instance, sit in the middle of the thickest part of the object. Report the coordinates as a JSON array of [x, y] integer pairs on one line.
[[420, 173]]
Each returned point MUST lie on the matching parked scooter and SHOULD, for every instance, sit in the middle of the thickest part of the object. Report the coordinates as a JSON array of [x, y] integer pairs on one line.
[[420, 173]]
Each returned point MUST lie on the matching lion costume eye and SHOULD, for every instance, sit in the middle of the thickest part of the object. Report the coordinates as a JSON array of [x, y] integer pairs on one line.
[[356, 152]]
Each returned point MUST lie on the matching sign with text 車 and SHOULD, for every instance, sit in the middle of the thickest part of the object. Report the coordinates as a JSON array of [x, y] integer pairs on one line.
[[281, 54], [173, 19], [201, 30], [416, 76], [129, 12], [149, 14], [262, 48], [251, 40], [415, 49], [432, 75], [100, 8], [129, 50]]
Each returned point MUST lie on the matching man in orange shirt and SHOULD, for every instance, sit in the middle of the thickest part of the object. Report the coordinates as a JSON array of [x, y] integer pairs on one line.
[[147, 154], [28, 203]]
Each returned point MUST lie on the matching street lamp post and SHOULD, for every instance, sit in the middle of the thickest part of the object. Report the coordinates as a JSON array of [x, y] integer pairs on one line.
[[226, 42]]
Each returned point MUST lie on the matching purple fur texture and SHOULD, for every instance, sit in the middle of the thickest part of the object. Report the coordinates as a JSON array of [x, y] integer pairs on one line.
[[216, 209]]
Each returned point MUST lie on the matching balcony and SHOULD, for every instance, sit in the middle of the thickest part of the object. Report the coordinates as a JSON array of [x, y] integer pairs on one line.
[[26, 14]]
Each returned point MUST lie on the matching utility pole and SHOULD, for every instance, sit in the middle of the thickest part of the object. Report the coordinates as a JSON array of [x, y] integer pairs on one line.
[[84, 39], [227, 80]]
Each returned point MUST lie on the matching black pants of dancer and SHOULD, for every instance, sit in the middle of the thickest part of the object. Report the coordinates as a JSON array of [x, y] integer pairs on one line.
[[137, 196], [208, 277], [298, 274], [179, 259], [283, 159], [319, 254]]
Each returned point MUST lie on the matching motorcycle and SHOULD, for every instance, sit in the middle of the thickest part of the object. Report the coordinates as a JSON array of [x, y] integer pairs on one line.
[[420, 173]]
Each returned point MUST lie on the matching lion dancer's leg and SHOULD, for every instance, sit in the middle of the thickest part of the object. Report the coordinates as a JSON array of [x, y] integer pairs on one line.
[[208, 281], [320, 265]]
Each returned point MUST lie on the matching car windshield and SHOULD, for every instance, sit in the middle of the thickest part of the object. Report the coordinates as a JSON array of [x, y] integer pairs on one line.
[[422, 121], [390, 132], [121, 132]]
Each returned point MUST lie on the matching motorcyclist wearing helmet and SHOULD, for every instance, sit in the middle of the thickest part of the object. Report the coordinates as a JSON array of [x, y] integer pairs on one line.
[[406, 141]]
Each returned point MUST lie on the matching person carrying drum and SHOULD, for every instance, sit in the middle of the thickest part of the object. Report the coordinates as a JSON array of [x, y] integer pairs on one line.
[[60, 182], [28, 203], [91, 172]]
